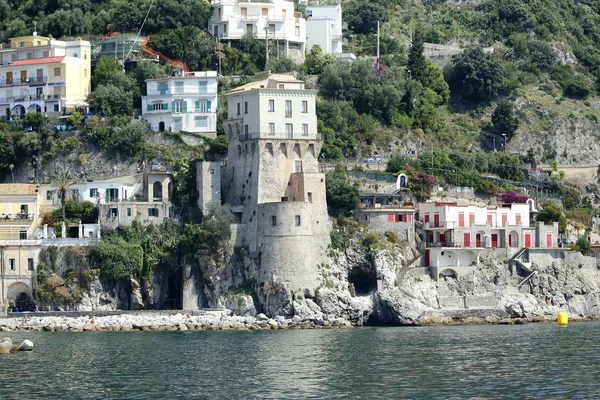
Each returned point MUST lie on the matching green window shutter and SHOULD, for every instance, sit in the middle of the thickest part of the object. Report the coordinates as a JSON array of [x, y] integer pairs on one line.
[[106, 195], [129, 212], [173, 107], [165, 106], [197, 104], [185, 106], [207, 105], [149, 107], [149, 212]]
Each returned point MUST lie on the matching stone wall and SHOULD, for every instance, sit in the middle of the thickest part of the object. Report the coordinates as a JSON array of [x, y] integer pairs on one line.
[[208, 182], [128, 211], [378, 222]]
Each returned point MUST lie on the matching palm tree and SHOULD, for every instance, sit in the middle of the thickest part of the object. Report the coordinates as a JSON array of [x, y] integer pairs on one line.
[[63, 183]]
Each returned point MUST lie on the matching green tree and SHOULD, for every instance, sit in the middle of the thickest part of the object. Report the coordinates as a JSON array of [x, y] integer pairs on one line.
[[416, 65], [475, 75], [342, 196], [148, 70], [504, 119], [63, 190], [553, 213], [105, 68], [436, 82]]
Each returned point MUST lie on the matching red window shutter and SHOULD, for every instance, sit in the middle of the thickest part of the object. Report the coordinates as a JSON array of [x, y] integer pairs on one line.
[[390, 217], [426, 217]]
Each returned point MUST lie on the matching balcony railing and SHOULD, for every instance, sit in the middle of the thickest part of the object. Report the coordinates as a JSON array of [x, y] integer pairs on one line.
[[24, 81], [280, 135], [17, 219], [23, 98], [22, 45], [185, 92]]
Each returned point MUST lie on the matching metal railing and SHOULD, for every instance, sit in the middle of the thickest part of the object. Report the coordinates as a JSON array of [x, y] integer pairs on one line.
[[183, 93], [280, 135], [24, 81], [15, 99]]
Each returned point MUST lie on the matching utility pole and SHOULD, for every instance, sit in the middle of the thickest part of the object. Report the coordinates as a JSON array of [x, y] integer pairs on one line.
[[266, 46], [377, 42]]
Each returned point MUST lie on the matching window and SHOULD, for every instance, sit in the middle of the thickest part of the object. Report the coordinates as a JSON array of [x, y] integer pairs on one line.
[[94, 193], [153, 212], [249, 28], [159, 106], [305, 129], [49, 194], [129, 211], [30, 264], [201, 122], [304, 106], [271, 128], [238, 108], [12, 264], [113, 212], [57, 71], [21, 44], [309, 197], [202, 106], [281, 86], [298, 166], [85, 73], [56, 108], [178, 87], [274, 220], [283, 12], [177, 124], [85, 55], [22, 235], [297, 31], [244, 11], [29, 56], [25, 207], [289, 131], [297, 220], [288, 108], [271, 105], [112, 194], [178, 106], [265, 12], [203, 87], [162, 88], [272, 29], [245, 107]]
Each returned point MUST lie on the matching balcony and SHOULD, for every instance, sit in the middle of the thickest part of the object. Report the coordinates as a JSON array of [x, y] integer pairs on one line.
[[24, 98], [17, 219], [195, 92], [22, 45], [32, 80], [280, 135]]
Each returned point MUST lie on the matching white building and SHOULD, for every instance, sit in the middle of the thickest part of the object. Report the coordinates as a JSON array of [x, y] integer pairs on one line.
[[454, 235], [39, 74], [324, 27], [183, 103], [98, 192], [276, 19]]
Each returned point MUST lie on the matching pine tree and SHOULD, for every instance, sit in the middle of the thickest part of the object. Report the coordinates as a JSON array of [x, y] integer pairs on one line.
[[416, 60]]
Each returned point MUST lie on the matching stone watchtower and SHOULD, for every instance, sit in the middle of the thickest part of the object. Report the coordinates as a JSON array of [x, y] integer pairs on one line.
[[272, 182]]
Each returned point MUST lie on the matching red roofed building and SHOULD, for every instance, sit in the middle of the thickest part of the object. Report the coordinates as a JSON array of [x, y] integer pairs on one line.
[[39, 74]]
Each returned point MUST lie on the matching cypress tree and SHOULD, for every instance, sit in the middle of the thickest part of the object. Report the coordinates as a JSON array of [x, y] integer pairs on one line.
[[416, 60]]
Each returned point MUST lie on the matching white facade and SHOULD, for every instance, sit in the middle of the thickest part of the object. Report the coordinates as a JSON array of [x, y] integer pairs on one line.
[[187, 103], [452, 215], [40, 74], [232, 19], [324, 28], [96, 192], [275, 107]]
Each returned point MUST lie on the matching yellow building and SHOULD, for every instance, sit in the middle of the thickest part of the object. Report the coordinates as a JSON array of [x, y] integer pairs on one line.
[[19, 213], [39, 74], [19, 210]]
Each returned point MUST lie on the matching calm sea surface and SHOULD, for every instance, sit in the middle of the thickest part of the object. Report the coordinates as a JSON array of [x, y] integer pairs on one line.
[[458, 362]]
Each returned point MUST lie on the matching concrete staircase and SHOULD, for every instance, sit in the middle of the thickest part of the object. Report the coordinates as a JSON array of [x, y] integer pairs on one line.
[[525, 266]]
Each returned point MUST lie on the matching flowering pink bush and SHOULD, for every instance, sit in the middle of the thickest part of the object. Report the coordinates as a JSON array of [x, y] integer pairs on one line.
[[511, 197]]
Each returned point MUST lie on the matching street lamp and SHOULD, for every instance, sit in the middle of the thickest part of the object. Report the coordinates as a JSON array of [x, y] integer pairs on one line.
[[504, 134], [12, 167]]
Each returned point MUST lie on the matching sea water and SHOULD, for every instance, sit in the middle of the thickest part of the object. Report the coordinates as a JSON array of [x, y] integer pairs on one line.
[[444, 362]]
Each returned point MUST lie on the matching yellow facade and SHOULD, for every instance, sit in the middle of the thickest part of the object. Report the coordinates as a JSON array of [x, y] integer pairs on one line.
[[19, 210]]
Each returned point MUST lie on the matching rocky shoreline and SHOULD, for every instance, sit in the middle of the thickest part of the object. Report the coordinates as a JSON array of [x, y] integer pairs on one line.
[[222, 321], [173, 322]]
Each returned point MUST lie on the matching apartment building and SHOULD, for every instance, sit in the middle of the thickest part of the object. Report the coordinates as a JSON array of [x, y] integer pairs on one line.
[[183, 103], [324, 28], [39, 74], [272, 19]]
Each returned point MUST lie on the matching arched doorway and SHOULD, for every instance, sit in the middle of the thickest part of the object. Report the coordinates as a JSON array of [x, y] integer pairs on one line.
[[448, 273], [513, 239], [19, 296], [157, 191], [161, 126], [18, 111], [34, 108]]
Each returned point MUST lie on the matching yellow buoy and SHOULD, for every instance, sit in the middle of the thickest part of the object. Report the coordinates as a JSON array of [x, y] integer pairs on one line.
[[563, 319]]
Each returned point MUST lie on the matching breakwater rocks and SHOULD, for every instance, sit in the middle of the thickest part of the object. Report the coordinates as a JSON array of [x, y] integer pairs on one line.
[[216, 320]]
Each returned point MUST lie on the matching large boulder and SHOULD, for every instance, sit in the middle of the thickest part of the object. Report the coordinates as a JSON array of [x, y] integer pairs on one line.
[[5, 346], [395, 307], [26, 345]]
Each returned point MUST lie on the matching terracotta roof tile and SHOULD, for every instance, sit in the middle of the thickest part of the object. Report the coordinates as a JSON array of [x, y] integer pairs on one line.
[[32, 61], [18, 188]]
